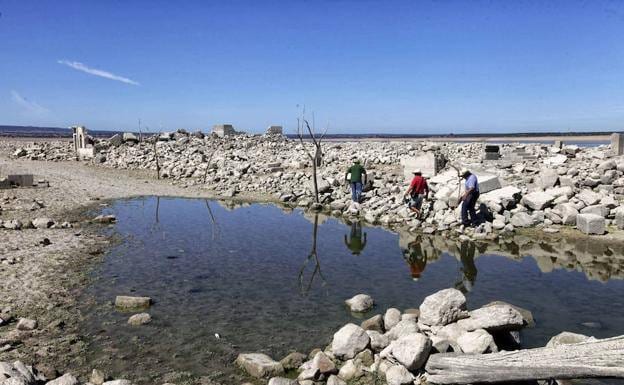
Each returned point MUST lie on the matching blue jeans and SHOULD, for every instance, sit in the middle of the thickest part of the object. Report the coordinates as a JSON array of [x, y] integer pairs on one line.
[[356, 191], [468, 208]]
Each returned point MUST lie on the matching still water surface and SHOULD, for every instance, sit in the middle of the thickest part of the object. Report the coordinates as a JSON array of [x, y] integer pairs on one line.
[[273, 281]]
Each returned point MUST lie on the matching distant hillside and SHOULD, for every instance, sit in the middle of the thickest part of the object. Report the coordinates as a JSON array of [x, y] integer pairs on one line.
[[47, 132]]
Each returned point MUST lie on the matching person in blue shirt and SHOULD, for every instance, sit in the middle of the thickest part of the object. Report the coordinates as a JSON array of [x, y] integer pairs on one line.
[[469, 198]]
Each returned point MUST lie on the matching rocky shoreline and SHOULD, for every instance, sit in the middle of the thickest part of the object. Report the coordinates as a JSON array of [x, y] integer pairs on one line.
[[404, 348], [552, 188], [40, 290]]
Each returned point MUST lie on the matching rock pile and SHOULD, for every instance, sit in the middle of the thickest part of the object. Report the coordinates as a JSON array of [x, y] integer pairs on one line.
[[394, 348], [17, 373], [530, 186]]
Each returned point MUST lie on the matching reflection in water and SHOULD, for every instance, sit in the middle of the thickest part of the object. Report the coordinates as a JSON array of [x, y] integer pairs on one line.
[[416, 258], [468, 270], [355, 242], [313, 256]]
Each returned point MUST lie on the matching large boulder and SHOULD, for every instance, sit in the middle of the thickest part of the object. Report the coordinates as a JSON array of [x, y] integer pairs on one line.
[[590, 224], [349, 341], [567, 212], [443, 307], [522, 219], [393, 316], [398, 375], [360, 303], [403, 328], [547, 178], [66, 379], [588, 197], [259, 365], [493, 318], [537, 200], [477, 342], [411, 350], [42, 223], [567, 338]]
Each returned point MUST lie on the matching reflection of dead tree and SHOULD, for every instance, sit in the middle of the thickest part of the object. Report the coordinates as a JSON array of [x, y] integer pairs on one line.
[[215, 226], [304, 125], [317, 268]]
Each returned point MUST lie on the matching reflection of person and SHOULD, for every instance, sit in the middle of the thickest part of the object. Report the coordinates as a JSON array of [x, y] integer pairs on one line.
[[468, 269], [355, 176], [469, 198], [416, 258], [355, 243], [418, 191]]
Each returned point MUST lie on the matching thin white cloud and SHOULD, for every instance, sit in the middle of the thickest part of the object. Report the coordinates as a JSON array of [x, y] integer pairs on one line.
[[27, 104], [93, 71]]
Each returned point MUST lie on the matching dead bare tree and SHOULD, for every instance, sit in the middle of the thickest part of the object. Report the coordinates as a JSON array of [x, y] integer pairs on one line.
[[156, 156], [304, 125]]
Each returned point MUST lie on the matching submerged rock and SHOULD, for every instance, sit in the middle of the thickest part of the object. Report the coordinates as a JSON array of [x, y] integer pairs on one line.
[[360, 303], [125, 302], [140, 319], [293, 360], [259, 365]]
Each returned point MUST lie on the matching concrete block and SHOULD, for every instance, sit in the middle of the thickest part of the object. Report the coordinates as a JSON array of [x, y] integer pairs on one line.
[[22, 180], [428, 163], [590, 224], [601, 210], [487, 182], [537, 200], [222, 130], [86, 153]]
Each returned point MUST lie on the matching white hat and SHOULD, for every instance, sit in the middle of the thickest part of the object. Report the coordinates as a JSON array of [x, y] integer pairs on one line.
[[417, 171], [464, 171]]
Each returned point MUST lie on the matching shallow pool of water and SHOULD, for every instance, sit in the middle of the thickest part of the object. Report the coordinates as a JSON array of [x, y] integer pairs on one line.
[[274, 281]]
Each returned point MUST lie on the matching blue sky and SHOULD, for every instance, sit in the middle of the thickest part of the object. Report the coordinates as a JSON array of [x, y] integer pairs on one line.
[[364, 66]]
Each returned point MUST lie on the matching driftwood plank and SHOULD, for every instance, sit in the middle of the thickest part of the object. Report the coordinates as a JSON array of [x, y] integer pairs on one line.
[[599, 358]]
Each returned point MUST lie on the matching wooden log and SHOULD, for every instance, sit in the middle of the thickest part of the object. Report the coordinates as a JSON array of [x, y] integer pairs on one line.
[[599, 358]]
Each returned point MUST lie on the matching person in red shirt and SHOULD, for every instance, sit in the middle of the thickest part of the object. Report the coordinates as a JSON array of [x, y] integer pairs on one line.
[[418, 191]]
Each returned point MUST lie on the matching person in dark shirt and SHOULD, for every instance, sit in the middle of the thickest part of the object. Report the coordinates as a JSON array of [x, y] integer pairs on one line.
[[418, 191], [355, 175]]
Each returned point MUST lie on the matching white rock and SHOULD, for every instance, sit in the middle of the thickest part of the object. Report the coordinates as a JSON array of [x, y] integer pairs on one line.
[[349, 341], [259, 365], [443, 307], [476, 342], [360, 303], [66, 379], [398, 375], [590, 224], [493, 318], [393, 316], [411, 350]]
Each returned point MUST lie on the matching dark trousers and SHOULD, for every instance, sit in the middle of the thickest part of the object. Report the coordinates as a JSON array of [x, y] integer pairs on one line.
[[468, 208]]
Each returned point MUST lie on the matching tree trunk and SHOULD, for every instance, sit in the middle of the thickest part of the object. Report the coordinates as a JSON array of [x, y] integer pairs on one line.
[[600, 358], [316, 194]]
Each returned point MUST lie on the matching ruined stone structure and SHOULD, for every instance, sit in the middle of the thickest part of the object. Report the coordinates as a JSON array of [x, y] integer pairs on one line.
[[274, 130], [617, 144], [82, 144], [430, 164], [222, 130], [492, 152]]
